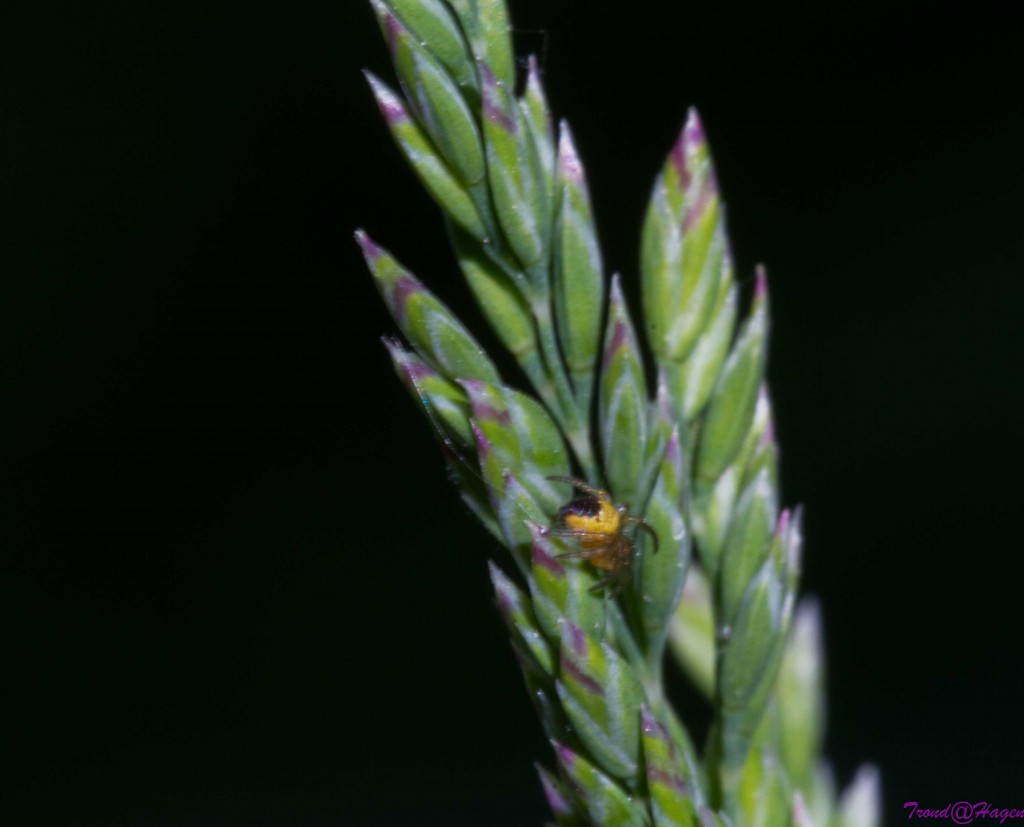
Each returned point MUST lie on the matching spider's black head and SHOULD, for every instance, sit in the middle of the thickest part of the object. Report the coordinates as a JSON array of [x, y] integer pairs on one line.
[[580, 507]]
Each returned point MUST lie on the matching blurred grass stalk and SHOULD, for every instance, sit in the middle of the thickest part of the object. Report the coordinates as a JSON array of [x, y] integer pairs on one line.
[[695, 456]]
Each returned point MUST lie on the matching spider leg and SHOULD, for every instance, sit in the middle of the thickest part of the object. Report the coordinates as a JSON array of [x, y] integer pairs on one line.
[[576, 533], [581, 554], [642, 523], [581, 485], [607, 584], [613, 584]]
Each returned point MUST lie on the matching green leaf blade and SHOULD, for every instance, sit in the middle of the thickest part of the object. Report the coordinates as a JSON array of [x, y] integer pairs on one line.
[[512, 167], [497, 296], [669, 787], [604, 801], [518, 615], [751, 655], [444, 402], [694, 379], [623, 402], [559, 799], [800, 695], [521, 438], [425, 160], [427, 323], [683, 247], [579, 290], [663, 574], [692, 633], [487, 26], [438, 102], [562, 589], [746, 544], [536, 116], [731, 409], [434, 26], [861, 803], [601, 696]]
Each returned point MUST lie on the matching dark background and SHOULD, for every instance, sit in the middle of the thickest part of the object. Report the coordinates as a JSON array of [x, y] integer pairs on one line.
[[235, 586]]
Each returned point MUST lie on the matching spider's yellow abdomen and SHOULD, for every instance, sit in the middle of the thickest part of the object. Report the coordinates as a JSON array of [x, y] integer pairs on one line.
[[593, 516]]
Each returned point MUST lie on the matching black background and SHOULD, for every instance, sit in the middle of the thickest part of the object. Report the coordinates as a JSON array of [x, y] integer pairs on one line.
[[236, 588]]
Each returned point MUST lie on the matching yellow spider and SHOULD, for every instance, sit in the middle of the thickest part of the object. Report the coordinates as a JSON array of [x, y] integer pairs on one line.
[[598, 526]]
